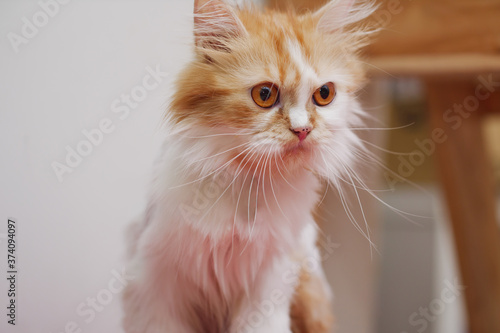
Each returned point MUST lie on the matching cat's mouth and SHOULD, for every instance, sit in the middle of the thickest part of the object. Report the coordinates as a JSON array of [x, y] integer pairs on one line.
[[296, 148]]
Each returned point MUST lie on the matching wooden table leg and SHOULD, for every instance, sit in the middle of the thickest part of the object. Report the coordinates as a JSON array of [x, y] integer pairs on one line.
[[469, 188]]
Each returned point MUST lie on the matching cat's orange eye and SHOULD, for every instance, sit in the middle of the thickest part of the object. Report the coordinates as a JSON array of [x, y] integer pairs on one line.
[[265, 94], [325, 94]]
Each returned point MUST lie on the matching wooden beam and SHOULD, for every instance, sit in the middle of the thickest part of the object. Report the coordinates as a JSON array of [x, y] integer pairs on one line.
[[469, 189], [434, 65], [428, 27]]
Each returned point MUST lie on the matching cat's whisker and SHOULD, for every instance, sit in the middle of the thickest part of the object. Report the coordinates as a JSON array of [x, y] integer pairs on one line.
[[327, 183], [286, 170], [347, 208], [249, 196], [268, 159], [244, 181], [250, 157], [349, 213], [225, 190], [218, 135], [257, 187], [243, 185], [378, 68], [253, 151], [262, 174], [336, 175], [213, 172], [366, 115], [221, 153], [374, 128], [274, 193], [235, 177], [401, 213], [256, 203], [369, 157], [357, 195], [385, 150], [324, 194]]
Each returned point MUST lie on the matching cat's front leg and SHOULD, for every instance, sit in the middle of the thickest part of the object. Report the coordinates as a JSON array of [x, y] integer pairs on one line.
[[264, 318], [267, 310], [146, 310]]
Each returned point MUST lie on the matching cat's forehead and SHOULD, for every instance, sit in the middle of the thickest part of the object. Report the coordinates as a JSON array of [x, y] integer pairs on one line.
[[301, 68], [284, 51], [288, 64]]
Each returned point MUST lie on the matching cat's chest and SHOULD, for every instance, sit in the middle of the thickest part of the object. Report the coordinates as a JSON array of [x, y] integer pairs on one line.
[[250, 208], [229, 264]]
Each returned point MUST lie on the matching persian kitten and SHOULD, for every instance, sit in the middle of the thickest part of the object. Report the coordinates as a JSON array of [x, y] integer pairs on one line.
[[263, 113]]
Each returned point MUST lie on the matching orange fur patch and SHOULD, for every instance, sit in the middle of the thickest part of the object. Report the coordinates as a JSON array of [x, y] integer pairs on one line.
[[311, 311]]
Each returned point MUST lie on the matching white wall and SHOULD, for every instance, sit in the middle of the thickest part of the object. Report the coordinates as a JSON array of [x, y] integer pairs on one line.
[[61, 82]]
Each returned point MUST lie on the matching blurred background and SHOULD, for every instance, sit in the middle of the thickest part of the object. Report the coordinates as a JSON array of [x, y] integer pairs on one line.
[[83, 88]]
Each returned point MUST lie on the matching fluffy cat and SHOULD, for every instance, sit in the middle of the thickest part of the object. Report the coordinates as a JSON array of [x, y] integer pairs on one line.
[[258, 118]]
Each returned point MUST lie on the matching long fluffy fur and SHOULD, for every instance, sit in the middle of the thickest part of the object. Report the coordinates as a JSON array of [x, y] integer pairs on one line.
[[230, 209]]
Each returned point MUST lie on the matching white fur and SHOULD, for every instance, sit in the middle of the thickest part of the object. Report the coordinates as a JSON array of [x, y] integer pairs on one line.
[[185, 263], [299, 117]]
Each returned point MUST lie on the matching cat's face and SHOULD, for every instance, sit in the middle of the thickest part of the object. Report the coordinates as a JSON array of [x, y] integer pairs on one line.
[[282, 84]]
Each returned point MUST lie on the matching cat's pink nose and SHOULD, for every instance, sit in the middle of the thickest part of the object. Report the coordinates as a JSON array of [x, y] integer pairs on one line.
[[302, 132]]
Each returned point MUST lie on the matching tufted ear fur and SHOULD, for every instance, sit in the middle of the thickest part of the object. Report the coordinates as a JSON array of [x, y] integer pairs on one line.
[[214, 24], [339, 13]]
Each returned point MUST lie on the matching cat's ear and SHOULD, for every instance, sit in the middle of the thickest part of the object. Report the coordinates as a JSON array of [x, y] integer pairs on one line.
[[339, 13], [214, 24]]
